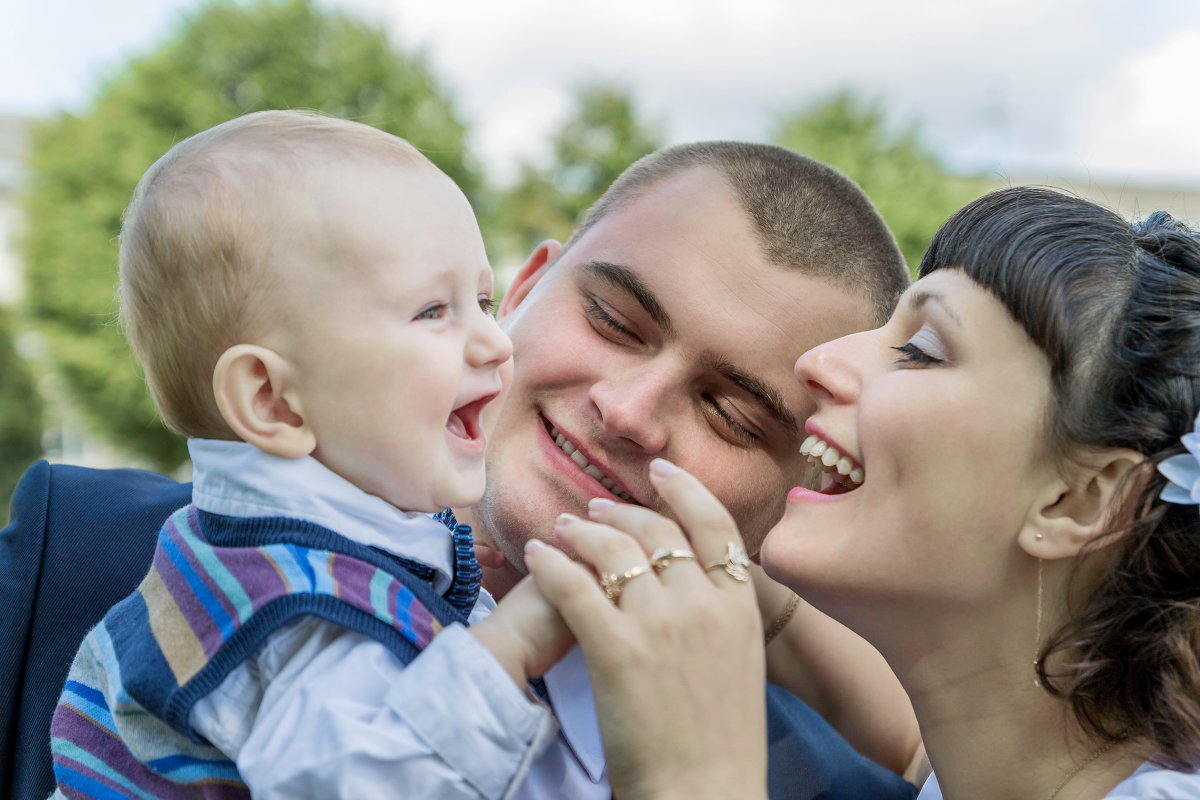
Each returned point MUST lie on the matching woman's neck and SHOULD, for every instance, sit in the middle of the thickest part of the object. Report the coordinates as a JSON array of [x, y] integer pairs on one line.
[[991, 733]]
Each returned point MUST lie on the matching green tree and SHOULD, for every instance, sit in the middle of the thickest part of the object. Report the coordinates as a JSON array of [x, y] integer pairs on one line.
[[20, 416], [599, 139], [893, 166], [229, 59]]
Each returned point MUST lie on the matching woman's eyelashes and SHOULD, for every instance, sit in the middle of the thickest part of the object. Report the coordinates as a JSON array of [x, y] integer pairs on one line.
[[615, 330], [925, 348]]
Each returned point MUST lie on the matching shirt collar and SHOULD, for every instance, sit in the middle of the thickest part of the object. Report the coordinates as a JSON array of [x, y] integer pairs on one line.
[[569, 688], [237, 479]]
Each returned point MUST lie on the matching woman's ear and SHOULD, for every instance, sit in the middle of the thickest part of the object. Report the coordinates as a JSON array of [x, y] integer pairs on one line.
[[256, 397], [1083, 506], [540, 260]]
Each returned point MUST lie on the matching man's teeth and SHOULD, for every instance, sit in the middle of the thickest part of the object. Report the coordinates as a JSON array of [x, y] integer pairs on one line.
[[830, 460], [586, 466]]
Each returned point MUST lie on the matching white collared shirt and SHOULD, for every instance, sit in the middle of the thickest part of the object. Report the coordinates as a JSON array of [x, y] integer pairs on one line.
[[573, 766], [323, 712]]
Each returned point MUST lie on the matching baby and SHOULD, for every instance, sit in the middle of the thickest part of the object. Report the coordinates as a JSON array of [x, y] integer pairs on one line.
[[310, 301]]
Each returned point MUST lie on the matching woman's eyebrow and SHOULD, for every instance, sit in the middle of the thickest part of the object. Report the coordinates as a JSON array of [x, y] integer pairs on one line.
[[918, 299], [625, 279]]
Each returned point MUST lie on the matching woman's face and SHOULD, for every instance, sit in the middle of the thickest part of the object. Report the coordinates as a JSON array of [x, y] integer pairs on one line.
[[942, 410]]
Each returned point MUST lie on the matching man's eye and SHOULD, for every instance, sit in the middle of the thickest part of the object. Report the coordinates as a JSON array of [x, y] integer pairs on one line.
[[740, 432], [433, 311], [598, 313], [911, 355]]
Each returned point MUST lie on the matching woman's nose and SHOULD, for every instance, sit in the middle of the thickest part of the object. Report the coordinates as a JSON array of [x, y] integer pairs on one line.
[[831, 372]]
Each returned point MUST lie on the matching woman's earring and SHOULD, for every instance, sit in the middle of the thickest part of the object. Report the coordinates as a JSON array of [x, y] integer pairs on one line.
[[1037, 635]]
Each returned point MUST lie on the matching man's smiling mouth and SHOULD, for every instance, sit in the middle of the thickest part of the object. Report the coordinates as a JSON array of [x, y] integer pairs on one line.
[[576, 455]]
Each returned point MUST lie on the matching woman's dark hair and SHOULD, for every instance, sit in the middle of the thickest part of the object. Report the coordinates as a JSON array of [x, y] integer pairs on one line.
[[1116, 309]]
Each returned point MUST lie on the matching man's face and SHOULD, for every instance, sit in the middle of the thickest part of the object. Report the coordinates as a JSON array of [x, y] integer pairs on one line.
[[663, 332]]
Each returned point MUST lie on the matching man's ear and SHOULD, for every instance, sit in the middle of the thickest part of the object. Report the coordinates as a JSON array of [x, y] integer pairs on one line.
[[1083, 506], [256, 397], [544, 255]]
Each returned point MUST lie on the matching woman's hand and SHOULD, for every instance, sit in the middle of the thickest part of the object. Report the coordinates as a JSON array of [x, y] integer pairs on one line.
[[676, 658]]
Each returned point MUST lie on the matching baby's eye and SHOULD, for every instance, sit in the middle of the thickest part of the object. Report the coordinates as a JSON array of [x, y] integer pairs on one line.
[[487, 304], [432, 311]]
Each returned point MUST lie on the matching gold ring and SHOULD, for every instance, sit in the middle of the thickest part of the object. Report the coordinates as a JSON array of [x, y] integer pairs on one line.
[[663, 558], [612, 583], [735, 563]]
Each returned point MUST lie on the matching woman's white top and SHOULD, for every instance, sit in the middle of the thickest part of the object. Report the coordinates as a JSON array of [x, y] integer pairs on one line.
[[1147, 783]]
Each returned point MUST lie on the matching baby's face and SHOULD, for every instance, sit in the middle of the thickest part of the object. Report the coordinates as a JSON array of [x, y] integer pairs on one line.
[[390, 333]]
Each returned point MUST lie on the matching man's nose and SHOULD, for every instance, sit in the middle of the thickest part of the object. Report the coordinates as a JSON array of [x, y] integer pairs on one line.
[[634, 406]]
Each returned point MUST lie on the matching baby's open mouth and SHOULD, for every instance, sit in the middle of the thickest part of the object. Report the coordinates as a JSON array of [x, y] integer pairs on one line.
[[841, 473], [463, 421]]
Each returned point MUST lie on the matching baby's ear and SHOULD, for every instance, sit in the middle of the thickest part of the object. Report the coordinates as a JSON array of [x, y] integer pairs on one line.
[[1082, 506], [256, 397]]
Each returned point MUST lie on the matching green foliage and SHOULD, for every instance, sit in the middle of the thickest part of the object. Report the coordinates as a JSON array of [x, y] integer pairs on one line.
[[20, 416], [229, 59], [601, 137], [893, 167]]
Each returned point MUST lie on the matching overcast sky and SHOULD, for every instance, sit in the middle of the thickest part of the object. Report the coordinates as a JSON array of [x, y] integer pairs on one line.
[[1095, 89]]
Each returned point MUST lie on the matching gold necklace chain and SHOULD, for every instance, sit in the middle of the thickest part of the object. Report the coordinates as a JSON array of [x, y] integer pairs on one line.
[[1096, 754]]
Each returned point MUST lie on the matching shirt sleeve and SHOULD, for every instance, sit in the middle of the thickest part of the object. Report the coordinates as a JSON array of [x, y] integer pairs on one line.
[[338, 716]]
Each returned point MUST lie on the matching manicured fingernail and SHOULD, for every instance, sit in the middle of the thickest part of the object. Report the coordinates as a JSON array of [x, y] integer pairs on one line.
[[663, 468], [597, 504], [534, 546], [563, 520]]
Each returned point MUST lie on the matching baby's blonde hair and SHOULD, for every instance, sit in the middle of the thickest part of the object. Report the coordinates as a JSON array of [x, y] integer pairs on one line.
[[203, 237]]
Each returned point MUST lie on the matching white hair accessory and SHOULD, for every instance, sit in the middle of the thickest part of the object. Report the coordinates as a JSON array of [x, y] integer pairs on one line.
[[1183, 471]]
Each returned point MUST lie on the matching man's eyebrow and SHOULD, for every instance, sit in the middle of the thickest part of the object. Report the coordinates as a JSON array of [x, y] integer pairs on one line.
[[766, 396], [920, 297], [625, 279]]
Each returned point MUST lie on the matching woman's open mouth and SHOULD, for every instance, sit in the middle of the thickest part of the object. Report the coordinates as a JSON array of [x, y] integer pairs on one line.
[[841, 473]]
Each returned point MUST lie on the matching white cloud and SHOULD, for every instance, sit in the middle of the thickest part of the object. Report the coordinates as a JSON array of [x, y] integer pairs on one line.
[[1144, 121]]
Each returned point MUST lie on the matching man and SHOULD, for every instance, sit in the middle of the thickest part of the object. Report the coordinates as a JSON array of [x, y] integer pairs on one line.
[[667, 326]]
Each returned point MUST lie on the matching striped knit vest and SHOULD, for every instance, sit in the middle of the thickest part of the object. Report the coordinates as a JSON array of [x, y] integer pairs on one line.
[[218, 587]]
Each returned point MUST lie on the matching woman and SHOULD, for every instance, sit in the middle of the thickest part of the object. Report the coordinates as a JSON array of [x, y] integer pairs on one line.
[[1010, 547]]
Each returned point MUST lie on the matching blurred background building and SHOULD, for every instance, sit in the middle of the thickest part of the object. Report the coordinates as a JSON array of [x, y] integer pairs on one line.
[[534, 107]]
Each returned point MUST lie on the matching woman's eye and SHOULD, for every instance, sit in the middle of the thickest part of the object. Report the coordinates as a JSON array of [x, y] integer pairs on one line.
[[911, 354], [433, 311], [739, 431], [923, 349], [487, 304], [598, 313]]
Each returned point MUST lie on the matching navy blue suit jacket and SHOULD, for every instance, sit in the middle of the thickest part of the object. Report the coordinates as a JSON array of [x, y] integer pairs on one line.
[[80, 540]]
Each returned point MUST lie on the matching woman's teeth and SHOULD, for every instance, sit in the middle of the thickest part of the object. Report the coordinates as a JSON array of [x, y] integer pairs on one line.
[[586, 466], [826, 456]]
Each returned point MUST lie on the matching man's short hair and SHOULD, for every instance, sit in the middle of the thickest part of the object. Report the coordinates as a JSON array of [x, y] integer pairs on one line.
[[204, 237], [808, 216]]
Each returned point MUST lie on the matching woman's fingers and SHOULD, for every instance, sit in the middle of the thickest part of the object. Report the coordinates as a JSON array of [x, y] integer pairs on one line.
[[711, 531], [618, 559], [572, 589], [660, 538]]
